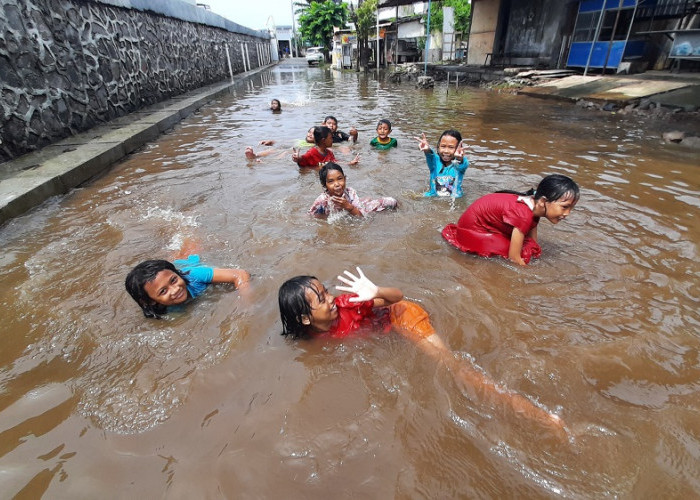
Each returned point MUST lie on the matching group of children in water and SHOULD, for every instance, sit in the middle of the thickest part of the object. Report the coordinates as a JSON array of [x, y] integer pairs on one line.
[[499, 224]]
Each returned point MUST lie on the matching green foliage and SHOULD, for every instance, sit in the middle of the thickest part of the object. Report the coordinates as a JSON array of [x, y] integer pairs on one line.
[[365, 17], [462, 12], [316, 22]]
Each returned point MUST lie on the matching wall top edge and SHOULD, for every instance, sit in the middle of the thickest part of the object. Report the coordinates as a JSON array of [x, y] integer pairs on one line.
[[184, 11]]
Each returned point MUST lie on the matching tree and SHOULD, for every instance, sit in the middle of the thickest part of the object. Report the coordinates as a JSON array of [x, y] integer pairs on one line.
[[317, 21], [364, 18], [462, 12]]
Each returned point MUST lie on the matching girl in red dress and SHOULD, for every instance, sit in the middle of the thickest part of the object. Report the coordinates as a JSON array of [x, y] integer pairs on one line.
[[505, 223]]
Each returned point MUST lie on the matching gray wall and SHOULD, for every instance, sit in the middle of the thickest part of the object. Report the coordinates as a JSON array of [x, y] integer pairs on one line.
[[535, 29], [67, 65]]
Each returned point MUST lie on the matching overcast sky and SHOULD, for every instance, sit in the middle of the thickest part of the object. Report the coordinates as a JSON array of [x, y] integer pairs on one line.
[[253, 13]]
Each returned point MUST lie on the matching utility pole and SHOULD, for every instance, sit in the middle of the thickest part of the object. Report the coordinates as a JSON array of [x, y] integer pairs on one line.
[[294, 34]]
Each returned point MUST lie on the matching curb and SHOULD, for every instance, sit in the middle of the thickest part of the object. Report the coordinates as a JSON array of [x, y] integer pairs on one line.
[[54, 170]]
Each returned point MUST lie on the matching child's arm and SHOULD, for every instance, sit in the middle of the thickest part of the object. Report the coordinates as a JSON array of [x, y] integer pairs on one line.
[[517, 238], [533, 233], [364, 290], [355, 160], [238, 277], [301, 160]]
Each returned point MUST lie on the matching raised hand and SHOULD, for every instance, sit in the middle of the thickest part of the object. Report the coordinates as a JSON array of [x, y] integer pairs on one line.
[[360, 285], [355, 160], [459, 152], [295, 155], [423, 143]]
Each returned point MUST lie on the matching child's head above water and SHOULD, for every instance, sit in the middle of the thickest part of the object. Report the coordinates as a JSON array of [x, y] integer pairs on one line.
[[447, 145], [557, 187], [275, 105], [310, 135], [331, 122], [321, 134], [305, 306], [383, 128], [332, 178], [156, 284], [556, 196]]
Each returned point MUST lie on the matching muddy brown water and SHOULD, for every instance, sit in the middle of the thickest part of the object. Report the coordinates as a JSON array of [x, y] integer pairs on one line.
[[98, 401]]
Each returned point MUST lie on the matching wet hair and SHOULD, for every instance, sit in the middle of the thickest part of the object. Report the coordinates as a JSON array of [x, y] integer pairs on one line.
[[279, 105], [329, 117], [144, 273], [553, 187], [320, 133], [451, 133], [294, 305], [385, 122], [323, 173]]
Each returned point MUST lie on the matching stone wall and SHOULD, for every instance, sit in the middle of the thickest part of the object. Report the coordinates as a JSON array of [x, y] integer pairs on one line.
[[67, 65]]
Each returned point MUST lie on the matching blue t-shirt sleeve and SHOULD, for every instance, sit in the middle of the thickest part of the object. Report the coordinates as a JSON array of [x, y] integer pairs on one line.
[[198, 275], [463, 165], [432, 158]]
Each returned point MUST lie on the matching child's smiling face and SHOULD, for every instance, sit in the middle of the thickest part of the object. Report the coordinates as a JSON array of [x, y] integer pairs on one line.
[[447, 148], [383, 131], [335, 183], [323, 309], [557, 210], [167, 288], [310, 135]]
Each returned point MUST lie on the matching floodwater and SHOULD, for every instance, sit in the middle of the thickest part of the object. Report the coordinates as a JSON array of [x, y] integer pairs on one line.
[[212, 402]]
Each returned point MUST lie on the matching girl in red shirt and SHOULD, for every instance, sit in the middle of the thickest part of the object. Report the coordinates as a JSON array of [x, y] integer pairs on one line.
[[308, 309], [321, 153], [505, 223]]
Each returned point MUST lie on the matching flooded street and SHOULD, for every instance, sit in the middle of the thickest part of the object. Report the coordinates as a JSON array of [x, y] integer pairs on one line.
[[99, 402]]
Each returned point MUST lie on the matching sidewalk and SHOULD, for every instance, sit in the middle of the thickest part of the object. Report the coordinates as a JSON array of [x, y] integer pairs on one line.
[[665, 89], [31, 179]]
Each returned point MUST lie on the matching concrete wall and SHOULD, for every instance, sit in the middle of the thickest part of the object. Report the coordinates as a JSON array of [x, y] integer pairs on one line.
[[526, 32], [483, 30], [68, 65], [536, 30]]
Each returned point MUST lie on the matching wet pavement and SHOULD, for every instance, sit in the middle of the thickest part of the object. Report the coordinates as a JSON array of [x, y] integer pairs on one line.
[[54, 170], [662, 88]]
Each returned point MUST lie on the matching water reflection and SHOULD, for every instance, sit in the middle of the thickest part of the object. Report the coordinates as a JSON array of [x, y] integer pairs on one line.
[[602, 329]]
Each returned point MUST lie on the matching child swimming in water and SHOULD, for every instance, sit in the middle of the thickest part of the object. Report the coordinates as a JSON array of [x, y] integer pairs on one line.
[[505, 223], [276, 106], [332, 123], [308, 141], [321, 153], [383, 141], [447, 165], [337, 197], [309, 310], [156, 285]]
